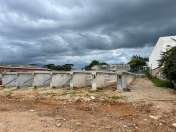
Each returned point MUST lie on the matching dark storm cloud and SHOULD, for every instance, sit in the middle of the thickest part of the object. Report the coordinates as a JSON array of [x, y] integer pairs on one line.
[[78, 31]]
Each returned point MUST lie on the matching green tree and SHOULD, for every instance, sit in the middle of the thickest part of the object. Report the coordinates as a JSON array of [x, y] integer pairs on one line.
[[94, 62], [136, 63], [168, 64], [59, 68], [103, 63], [50, 66], [66, 67]]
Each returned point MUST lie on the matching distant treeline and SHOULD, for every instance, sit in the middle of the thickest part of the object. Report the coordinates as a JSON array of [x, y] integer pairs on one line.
[[66, 67]]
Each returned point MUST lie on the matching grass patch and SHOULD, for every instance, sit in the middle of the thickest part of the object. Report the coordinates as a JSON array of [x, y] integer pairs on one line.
[[72, 93], [159, 83], [34, 89], [7, 93], [105, 95], [52, 94], [86, 95], [93, 91], [75, 92], [14, 89], [115, 97], [64, 93]]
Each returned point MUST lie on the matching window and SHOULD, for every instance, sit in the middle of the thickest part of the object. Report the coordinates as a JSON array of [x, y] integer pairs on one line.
[[13, 71], [1, 70], [168, 47]]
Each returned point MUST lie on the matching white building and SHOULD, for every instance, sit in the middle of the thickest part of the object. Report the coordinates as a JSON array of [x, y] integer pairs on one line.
[[112, 67], [163, 44]]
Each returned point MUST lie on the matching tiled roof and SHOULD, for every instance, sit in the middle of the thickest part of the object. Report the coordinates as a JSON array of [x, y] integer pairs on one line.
[[20, 66]]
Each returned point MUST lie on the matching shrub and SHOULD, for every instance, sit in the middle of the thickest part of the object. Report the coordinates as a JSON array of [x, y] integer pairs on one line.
[[159, 83]]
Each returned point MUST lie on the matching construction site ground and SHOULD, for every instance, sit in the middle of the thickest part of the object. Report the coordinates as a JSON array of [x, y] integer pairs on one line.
[[145, 108]]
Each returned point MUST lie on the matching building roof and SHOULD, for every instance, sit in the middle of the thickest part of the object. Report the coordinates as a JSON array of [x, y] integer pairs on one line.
[[21, 66], [168, 37]]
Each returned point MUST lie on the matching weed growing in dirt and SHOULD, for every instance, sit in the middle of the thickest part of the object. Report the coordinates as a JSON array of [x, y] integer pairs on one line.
[[115, 97], [93, 91], [86, 95], [47, 94], [34, 89], [7, 93], [52, 94], [75, 92], [159, 83], [14, 89], [64, 93], [105, 95]]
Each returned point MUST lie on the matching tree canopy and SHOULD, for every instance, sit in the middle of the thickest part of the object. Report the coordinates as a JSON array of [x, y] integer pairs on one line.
[[137, 61], [94, 62], [66, 67]]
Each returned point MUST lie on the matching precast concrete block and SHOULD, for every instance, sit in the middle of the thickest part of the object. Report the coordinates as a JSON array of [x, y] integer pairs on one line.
[[9, 79], [24, 79]]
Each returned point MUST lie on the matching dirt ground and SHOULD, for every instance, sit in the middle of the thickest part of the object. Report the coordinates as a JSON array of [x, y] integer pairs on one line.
[[145, 108]]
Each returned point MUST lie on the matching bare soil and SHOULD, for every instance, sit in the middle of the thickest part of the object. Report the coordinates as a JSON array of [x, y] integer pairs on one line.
[[145, 108]]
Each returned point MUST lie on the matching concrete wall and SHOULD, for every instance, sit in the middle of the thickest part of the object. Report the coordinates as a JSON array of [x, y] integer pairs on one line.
[[41, 79], [100, 79], [24, 79], [81, 79], [157, 72], [110, 78], [127, 78], [74, 78], [139, 76], [8, 77], [103, 79], [124, 79], [160, 47], [59, 79]]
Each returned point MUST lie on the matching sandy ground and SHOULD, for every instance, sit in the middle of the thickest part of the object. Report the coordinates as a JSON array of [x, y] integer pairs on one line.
[[145, 108]]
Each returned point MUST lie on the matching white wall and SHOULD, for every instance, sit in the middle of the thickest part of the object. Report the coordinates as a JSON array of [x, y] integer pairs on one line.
[[104, 79], [59, 79], [24, 77], [7, 77], [160, 47], [127, 78], [124, 79], [81, 79], [40, 78]]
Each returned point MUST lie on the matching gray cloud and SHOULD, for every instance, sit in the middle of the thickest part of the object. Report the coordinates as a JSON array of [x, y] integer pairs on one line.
[[77, 31]]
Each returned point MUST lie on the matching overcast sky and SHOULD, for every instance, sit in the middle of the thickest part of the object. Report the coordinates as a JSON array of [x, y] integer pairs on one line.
[[79, 31]]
